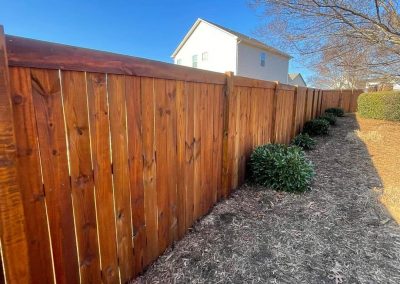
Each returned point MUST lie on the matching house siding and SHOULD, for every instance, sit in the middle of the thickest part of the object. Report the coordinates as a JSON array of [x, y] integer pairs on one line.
[[276, 66], [220, 46]]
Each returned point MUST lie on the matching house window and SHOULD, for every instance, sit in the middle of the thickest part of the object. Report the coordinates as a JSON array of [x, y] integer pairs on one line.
[[179, 61], [204, 56], [194, 61], [262, 59]]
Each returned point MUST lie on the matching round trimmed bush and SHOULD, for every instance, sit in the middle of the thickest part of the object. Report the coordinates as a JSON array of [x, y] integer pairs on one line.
[[380, 105], [316, 127], [329, 117], [337, 111], [303, 140], [281, 167]]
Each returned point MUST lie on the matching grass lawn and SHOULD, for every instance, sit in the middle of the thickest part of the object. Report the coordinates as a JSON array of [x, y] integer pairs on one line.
[[382, 139], [339, 232]]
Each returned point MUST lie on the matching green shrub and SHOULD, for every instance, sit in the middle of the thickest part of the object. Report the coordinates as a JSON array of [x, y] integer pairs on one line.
[[329, 117], [281, 167], [316, 127], [303, 140], [380, 105], [337, 111]]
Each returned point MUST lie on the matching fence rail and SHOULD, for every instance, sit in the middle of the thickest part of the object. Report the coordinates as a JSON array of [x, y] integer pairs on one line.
[[106, 160]]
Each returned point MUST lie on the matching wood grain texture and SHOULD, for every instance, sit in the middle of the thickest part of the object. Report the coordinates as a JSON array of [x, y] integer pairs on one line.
[[149, 169], [126, 159], [235, 154], [101, 158], [14, 244], [217, 142], [30, 178], [24, 52], [189, 154], [172, 162], [47, 101], [181, 203], [197, 145], [121, 183], [204, 133], [163, 217], [135, 148], [82, 182], [227, 128]]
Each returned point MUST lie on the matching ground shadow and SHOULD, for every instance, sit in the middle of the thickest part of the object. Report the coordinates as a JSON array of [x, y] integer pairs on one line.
[[336, 233]]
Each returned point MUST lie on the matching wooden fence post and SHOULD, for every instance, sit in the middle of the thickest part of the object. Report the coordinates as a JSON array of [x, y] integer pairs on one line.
[[226, 144], [274, 103], [294, 128], [12, 222]]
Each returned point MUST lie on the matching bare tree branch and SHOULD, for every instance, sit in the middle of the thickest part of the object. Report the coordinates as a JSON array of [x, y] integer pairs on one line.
[[351, 38]]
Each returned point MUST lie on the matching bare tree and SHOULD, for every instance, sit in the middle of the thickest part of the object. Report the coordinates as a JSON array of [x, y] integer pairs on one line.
[[358, 39]]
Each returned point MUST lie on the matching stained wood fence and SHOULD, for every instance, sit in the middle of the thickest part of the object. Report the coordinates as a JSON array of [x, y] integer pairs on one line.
[[106, 160]]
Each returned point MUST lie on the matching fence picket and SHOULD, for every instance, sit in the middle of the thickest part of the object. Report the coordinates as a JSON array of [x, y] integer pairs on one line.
[[46, 89], [76, 117], [116, 165], [122, 192], [101, 158]]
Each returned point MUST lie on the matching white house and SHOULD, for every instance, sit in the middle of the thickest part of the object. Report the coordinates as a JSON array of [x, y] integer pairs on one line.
[[212, 47], [296, 79]]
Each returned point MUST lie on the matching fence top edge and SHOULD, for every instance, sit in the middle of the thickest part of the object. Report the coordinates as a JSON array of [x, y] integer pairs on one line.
[[285, 87], [241, 81], [25, 52]]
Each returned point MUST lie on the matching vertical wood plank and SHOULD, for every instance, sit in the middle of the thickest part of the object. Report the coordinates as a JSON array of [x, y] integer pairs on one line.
[[242, 133], [211, 188], [189, 153], [226, 142], [256, 128], [161, 123], [122, 194], [203, 198], [274, 110], [180, 146], [172, 162], [29, 175], [196, 152], [53, 150], [217, 142], [101, 158], [237, 101], [294, 114], [14, 247], [76, 116], [149, 169], [315, 103], [134, 121]]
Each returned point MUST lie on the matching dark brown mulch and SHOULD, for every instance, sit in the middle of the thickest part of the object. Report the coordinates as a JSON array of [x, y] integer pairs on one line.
[[336, 233]]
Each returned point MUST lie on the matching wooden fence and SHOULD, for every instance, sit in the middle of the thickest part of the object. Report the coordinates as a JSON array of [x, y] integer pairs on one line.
[[106, 160]]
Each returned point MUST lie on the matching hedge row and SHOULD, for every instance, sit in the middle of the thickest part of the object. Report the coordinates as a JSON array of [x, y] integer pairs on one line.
[[380, 105]]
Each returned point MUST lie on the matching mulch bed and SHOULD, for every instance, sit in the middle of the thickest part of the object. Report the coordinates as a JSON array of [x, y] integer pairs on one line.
[[338, 232]]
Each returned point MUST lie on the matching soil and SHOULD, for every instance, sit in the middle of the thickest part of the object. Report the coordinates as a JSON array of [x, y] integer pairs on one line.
[[338, 232]]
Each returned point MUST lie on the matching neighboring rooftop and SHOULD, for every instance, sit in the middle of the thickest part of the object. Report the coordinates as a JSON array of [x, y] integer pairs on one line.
[[294, 76], [240, 37]]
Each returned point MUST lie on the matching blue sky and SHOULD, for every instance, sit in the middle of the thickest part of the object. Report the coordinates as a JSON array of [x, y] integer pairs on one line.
[[150, 29]]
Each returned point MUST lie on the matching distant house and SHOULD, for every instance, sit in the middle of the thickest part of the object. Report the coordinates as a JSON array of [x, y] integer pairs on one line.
[[379, 86], [296, 79], [213, 47]]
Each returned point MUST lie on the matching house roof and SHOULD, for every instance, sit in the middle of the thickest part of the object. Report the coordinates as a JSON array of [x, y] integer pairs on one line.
[[293, 76], [240, 37]]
